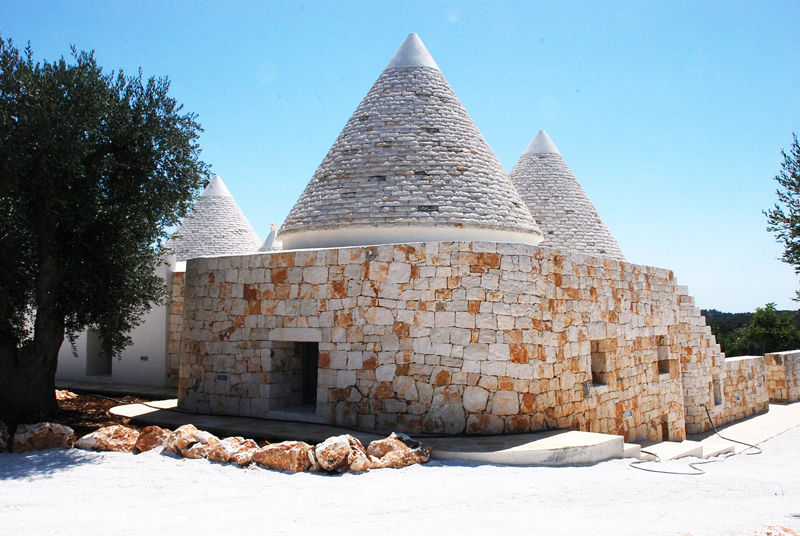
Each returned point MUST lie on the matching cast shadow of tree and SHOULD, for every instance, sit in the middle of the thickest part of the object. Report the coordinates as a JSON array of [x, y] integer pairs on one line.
[[43, 463]]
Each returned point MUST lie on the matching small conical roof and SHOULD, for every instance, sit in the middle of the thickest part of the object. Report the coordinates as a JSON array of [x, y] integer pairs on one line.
[[559, 204], [214, 226], [409, 166]]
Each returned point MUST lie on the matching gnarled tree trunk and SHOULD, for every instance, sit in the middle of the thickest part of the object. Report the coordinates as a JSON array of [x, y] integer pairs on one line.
[[27, 373]]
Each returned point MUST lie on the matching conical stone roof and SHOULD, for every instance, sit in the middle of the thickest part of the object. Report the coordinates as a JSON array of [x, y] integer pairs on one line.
[[214, 226], [410, 165], [559, 204]]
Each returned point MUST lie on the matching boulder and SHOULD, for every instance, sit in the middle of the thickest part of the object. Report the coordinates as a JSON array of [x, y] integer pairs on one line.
[[3, 437], [314, 465], [151, 437], [332, 453], [204, 443], [291, 456], [228, 447], [116, 438], [181, 438], [358, 460], [397, 450], [190, 442], [43, 435], [341, 453], [244, 455], [403, 458]]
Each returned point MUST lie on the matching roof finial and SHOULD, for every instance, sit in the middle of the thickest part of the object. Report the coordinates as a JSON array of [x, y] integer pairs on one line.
[[542, 144], [216, 188], [412, 53]]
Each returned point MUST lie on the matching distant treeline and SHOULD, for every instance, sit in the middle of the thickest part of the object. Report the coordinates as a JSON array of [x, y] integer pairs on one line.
[[766, 330]]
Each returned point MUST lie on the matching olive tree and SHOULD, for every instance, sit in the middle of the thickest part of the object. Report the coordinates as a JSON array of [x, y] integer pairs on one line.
[[784, 217], [94, 168]]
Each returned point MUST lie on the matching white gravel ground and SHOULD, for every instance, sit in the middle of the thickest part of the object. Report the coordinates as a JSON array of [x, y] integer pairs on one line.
[[79, 492]]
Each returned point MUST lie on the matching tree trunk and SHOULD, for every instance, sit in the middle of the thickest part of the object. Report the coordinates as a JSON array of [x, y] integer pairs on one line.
[[27, 386], [27, 373]]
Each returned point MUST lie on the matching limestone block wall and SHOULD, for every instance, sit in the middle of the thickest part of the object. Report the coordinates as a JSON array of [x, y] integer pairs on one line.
[[174, 327], [782, 371], [444, 337], [744, 387], [730, 388], [701, 367]]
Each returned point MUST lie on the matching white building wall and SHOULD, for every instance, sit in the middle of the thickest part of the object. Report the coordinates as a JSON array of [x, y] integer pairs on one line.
[[149, 339]]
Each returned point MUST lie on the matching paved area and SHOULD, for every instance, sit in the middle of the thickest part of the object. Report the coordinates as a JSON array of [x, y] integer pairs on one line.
[[73, 491]]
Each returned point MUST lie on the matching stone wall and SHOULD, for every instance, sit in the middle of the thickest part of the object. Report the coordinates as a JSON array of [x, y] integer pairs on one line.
[[441, 337], [744, 387], [174, 327], [458, 337], [783, 376], [701, 367]]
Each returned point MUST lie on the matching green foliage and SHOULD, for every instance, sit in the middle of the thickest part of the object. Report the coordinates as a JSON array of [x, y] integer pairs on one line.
[[784, 217], [94, 168], [766, 330]]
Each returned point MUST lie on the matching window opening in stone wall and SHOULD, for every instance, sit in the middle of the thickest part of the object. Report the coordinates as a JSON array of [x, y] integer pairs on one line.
[[663, 354], [716, 387], [98, 361], [664, 429], [600, 366]]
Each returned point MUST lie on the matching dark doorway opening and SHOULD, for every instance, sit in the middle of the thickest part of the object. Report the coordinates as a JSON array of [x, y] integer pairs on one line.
[[98, 361], [309, 353]]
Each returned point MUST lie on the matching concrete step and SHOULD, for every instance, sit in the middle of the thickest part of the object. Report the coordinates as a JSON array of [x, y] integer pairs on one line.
[[716, 446], [556, 447], [672, 450], [632, 450]]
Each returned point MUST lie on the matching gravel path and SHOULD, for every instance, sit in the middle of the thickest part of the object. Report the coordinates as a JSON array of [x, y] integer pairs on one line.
[[78, 492]]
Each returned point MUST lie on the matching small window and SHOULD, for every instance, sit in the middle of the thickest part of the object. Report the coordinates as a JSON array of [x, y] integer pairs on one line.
[[663, 355], [716, 387], [601, 369]]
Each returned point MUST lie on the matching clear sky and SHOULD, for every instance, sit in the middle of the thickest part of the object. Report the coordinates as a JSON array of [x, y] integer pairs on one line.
[[672, 115]]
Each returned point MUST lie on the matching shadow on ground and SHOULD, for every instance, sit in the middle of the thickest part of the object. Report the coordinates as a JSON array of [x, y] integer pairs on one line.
[[43, 463]]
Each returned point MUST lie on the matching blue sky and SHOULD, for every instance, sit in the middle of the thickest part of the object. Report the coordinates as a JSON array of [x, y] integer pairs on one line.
[[672, 115]]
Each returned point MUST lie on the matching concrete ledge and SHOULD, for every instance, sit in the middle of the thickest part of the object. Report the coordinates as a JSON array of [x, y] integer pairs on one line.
[[672, 450], [546, 448]]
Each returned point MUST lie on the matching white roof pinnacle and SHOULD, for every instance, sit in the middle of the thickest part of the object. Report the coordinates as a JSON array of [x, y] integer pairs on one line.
[[412, 53], [271, 244], [216, 188], [542, 144]]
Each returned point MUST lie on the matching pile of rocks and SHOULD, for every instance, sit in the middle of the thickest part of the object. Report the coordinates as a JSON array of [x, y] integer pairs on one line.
[[337, 454]]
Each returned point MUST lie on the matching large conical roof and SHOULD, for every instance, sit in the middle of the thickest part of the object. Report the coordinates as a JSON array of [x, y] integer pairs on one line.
[[559, 204], [214, 226], [410, 165]]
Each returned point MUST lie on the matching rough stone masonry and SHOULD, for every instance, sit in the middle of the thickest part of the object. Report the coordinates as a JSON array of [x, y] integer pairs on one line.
[[459, 337]]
